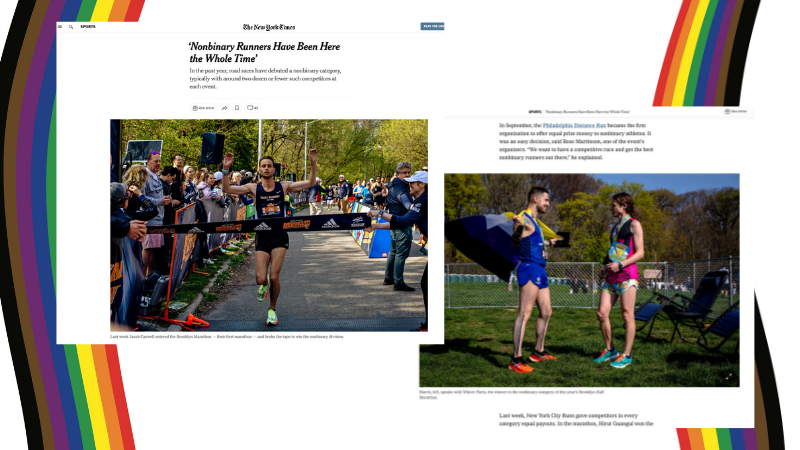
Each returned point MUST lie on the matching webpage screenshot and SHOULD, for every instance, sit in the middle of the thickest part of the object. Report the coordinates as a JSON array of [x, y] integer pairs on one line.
[[606, 261]]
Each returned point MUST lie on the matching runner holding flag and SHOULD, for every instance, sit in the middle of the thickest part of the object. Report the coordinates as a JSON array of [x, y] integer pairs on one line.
[[271, 245], [529, 240]]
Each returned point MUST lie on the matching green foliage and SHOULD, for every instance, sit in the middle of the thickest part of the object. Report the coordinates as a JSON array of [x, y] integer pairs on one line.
[[404, 140], [354, 148], [588, 217], [464, 195]]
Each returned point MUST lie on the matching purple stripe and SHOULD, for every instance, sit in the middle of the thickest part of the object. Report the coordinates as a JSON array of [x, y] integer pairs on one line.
[[25, 222], [750, 441], [719, 49]]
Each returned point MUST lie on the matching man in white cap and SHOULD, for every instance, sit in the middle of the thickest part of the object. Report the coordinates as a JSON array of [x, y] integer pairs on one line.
[[315, 198], [417, 215]]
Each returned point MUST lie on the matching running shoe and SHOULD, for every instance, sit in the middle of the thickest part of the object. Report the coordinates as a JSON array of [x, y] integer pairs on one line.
[[607, 355], [520, 367], [621, 362], [422, 327], [263, 291], [545, 357], [272, 318]]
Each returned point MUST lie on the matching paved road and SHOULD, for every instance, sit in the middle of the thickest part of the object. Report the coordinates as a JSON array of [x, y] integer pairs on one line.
[[325, 275]]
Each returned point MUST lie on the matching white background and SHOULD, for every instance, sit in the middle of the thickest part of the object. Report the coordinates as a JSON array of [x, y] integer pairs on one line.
[[493, 63]]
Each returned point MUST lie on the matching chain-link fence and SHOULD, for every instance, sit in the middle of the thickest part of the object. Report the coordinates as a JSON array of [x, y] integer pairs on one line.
[[578, 285]]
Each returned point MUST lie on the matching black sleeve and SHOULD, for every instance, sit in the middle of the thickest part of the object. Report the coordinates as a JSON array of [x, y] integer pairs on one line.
[[177, 192], [145, 214], [120, 226]]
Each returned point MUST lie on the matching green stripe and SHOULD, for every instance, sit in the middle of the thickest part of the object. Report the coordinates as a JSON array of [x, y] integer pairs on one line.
[[697, 60], [86, 11], [724, 438], [50, 190], [82, 407]]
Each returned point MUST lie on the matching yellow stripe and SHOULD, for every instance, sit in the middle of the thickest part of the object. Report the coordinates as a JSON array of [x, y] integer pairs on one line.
[[688, 54], [102, 10], [93, 397], [710, 440]]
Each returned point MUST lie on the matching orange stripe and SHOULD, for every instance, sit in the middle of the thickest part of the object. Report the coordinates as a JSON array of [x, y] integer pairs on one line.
[[696, 438], [119, 397], [107, 395], [119, 10], [674, 68]]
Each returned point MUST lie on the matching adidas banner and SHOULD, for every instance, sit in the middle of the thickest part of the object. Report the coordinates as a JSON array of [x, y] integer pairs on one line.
[[338, 222]]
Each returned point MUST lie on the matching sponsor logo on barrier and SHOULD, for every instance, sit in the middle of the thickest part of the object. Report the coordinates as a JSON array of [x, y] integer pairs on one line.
[[330, 224], [356, 225], [359, 219], [164, 231], [297, 224], [233, 227], [385, 255], [262, 227], [195, 230]]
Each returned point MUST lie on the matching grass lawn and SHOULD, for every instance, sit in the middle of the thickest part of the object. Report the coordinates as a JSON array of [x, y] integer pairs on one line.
[[478, 348]]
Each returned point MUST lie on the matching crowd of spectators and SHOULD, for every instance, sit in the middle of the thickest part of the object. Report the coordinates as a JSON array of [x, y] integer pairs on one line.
[[149, 195]]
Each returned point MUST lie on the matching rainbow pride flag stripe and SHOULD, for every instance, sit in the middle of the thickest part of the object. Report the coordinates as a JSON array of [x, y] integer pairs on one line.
[[72, 396], [717, 439], [705, 59]]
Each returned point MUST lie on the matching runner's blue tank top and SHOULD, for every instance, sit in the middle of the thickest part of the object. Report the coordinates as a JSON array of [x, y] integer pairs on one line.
[[531, 248]]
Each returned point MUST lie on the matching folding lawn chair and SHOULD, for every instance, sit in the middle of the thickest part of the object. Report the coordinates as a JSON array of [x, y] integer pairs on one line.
[[649, 310], [681, 309], [694, 311], [724, 326]]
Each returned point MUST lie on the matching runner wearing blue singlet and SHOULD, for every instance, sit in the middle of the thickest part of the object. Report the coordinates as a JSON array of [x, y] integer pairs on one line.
[[529, 240], [271, 245]]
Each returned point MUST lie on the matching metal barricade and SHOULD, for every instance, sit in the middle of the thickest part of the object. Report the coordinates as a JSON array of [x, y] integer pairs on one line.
[[578, 285]]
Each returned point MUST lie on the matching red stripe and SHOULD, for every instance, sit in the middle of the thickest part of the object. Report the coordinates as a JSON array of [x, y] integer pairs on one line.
[[134, 11], [658, 100], [119, 397], [683, 439]]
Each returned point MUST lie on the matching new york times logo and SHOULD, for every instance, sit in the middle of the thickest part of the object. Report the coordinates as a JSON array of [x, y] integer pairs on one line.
[[267, 27]]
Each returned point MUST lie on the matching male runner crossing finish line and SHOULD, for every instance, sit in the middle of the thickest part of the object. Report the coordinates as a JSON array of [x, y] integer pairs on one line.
[[529, 240], [271, 245]]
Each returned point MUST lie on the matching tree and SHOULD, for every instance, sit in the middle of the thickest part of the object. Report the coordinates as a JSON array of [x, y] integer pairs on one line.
[[464, 195], [404, 140]]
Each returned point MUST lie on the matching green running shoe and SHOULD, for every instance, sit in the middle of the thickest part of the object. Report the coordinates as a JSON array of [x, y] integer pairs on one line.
[[272, 318], [263, 291], [607, 355], [621, 362]]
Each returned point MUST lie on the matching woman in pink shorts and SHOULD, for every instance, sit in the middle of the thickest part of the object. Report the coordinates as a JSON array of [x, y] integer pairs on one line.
[[621, 278]]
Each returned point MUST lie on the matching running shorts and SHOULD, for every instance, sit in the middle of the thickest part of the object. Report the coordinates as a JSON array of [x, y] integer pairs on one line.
[[532, 272]]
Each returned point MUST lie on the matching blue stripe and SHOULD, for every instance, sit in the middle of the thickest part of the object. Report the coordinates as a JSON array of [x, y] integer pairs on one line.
[[708, 54]]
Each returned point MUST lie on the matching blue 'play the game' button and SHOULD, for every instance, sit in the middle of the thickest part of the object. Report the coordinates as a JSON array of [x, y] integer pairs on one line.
[[428, 26]]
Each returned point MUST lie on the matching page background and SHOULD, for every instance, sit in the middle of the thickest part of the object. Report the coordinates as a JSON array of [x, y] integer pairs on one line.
[[763, 84]]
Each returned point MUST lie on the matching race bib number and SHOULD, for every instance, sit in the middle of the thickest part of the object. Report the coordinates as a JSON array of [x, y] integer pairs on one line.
[[270, 209], [618, 252]]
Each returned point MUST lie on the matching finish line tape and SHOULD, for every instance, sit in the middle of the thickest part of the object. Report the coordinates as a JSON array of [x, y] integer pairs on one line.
[[335, 222]]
